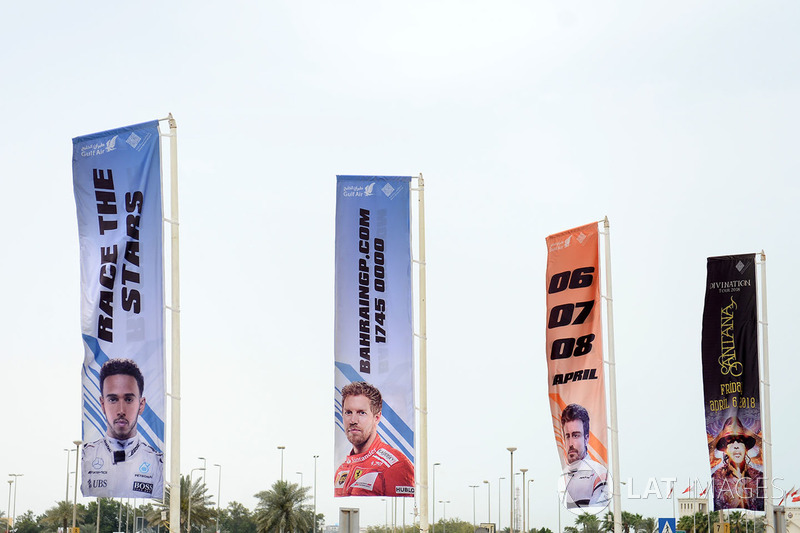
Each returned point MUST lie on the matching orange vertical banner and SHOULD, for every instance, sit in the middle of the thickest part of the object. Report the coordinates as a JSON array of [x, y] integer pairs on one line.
[[574, 351]]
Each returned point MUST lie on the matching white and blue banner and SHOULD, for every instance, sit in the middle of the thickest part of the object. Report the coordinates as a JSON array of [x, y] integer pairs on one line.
[[373, 336], [117, 186]]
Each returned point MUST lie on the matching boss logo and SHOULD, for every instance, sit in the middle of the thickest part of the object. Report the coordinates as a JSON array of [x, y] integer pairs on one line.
[[140, 486]]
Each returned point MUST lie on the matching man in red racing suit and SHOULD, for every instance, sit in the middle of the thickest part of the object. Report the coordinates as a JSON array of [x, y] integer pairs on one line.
[[373, 468], [381, 471]]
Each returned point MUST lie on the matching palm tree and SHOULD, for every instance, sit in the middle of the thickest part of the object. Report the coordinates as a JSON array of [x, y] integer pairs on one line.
[[281, 509], [649, 525], [589, 523], [61, 515], [203, 511]]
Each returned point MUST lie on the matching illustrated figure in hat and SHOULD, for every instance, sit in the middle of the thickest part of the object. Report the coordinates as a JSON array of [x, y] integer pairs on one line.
[[585, 480], [737, 483]]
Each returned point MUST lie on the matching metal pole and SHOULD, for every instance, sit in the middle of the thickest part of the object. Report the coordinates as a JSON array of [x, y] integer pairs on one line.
[[175, 351], [524, 470], [66, 493], [512, 450], [98, 515], [219, 492], [422, 442], [499, 505], [530, 524], [189, 499], [77, 444], [434, 497], [281, 448], [768, 509], [14, 509], [444, 514], [473, 487], [489, 500], [612, 383], [315, 493], [8, 509]]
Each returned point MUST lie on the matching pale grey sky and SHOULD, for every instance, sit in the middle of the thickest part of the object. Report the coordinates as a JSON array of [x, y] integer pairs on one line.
[[677, 120]]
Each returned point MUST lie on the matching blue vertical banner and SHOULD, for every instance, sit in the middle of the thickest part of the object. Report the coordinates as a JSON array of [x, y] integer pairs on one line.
[[373, 338], [117, 186]]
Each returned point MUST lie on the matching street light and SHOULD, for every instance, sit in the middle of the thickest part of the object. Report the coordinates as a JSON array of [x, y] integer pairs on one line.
[[434, 496], [489, 498], [523, 470], [444, 515], [473, 487], [66, 494], [189, 498], [281, 448], [315, 493], [204, 468], [499, 507], [512, 449], [8, 509], [14, 509], [301, 478], [219, 492], [530, 524], [77, 444]]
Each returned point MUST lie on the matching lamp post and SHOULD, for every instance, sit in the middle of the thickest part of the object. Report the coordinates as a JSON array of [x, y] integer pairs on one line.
[[14, 508], [434, 497], [8, 509], [499, 507], [189, 498], [219, 491], [77, 444], [512, 449], [523, 470], [204, 468], [66, 493], [315, 492], [489, 499], [444, 515], [530, 524], [301, 478], [281, 448], [473, 487]]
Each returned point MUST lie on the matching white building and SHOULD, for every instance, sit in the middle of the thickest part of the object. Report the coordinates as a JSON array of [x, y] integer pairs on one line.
[[690, 506]]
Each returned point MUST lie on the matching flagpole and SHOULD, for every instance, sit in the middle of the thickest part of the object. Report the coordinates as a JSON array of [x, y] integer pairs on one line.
[[612, 382], [422, 442], [175, 352], [767, 437]]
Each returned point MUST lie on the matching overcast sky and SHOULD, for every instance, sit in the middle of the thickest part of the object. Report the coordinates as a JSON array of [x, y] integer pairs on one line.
[[677, 120]]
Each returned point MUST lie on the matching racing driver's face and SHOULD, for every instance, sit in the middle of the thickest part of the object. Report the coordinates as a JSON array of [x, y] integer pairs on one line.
[[575, 440], [122, 405], [360, 424]]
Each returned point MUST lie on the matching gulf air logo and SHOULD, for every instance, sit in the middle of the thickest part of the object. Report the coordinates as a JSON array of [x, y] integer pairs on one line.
[[341, 479]]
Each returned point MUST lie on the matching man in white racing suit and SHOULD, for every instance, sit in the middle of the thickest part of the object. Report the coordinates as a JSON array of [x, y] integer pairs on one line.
[[584, 480], [121, 464]]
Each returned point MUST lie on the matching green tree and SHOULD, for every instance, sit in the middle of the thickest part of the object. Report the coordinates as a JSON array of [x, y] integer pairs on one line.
[[570, 529], [61, 515], [281, 509], [203, 512], [109, 515], [27, 523], [236, 518], [589, 523], [647, 525]]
